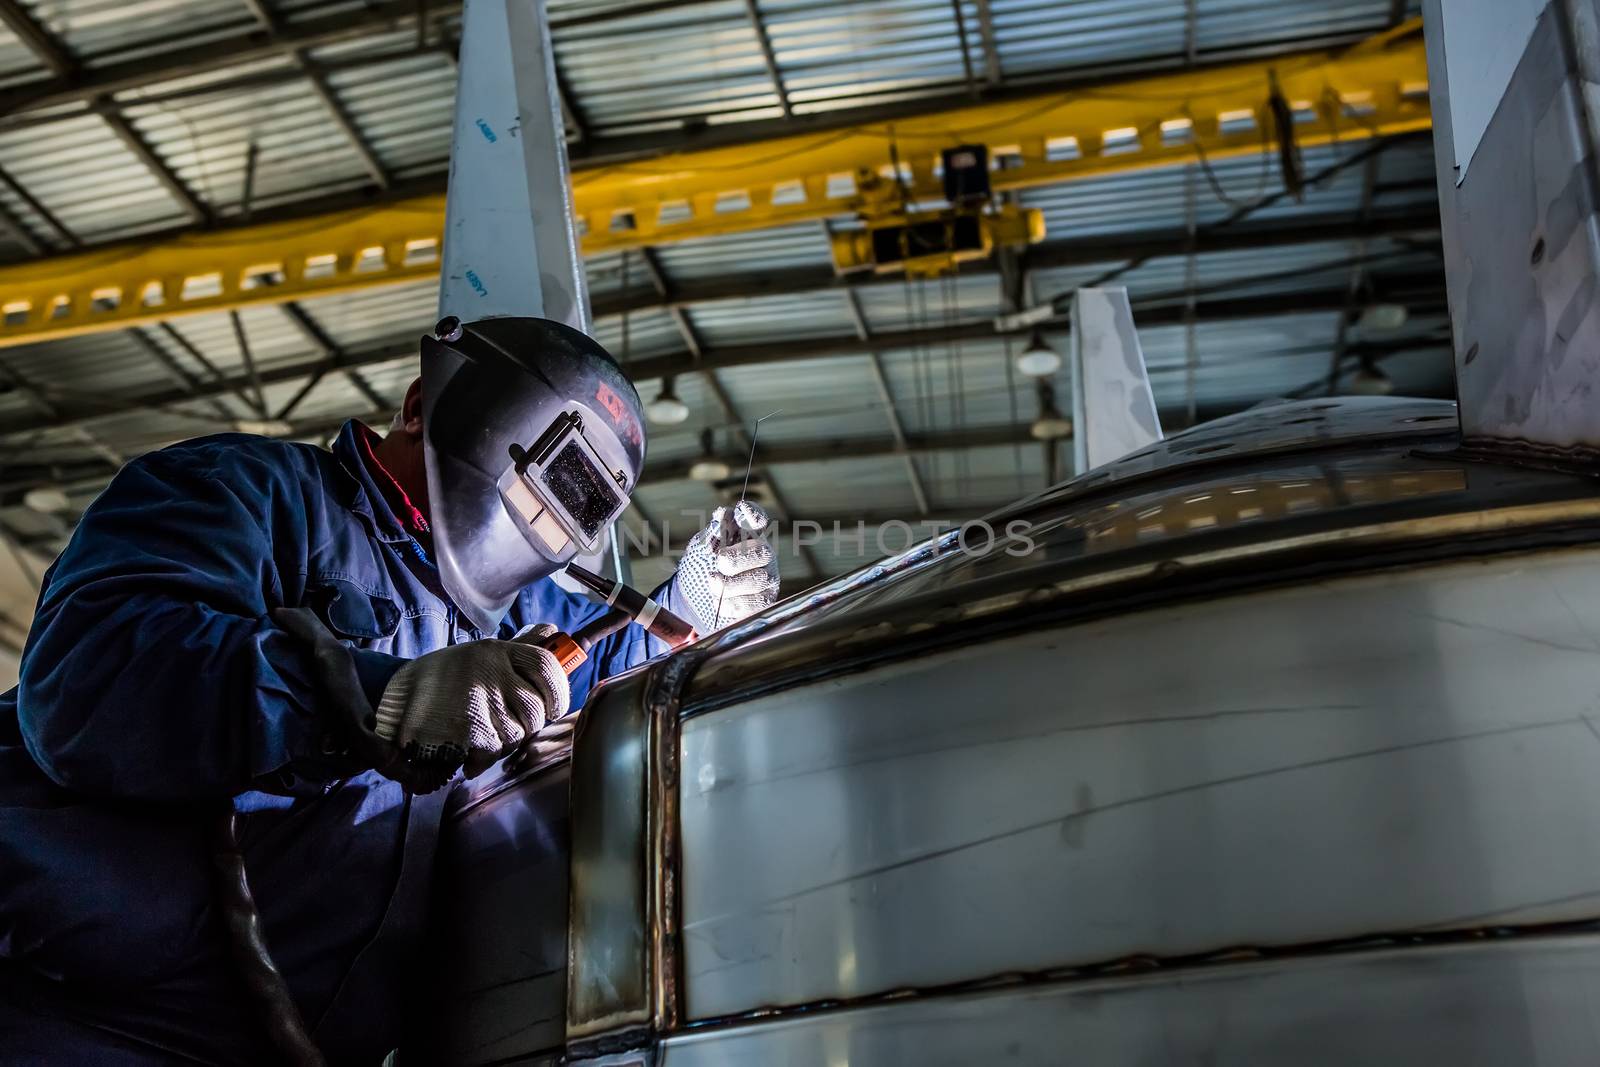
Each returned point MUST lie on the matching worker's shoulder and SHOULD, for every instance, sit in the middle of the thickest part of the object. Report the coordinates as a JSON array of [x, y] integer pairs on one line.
[[242, 458]]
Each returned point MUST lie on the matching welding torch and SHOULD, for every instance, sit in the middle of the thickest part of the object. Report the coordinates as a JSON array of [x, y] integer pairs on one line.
[[627, 605]]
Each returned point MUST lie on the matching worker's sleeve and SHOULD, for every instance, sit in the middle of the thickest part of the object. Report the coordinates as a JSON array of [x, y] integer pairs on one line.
[[153, 670]]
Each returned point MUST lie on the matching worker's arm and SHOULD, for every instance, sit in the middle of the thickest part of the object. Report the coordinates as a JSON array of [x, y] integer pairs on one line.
[[153, 669]]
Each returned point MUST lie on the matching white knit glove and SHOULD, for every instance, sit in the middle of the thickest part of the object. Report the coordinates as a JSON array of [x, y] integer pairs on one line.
[[467, 705], [729, 571]]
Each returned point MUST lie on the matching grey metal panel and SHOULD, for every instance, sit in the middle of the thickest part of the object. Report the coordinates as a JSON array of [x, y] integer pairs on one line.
[[1392, 753], [1113, 407], [498, 943], [509, 243], [611, 973], [1522, 237], [1532, 1003]]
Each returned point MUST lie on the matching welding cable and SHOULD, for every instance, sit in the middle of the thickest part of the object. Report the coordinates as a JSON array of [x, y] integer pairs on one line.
[[264, 985]]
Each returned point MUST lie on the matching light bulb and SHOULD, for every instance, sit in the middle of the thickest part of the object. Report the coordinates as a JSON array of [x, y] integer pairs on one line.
[[666, 409], [46, 499], [1381, 318], [709, 469], [1051, 426], [1038, 360]]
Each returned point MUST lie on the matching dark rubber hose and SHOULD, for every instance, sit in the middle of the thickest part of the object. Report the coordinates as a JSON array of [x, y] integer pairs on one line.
[[264, 985]]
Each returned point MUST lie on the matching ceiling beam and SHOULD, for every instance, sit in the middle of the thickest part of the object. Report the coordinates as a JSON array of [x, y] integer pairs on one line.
[[205, 53], [730, 411], [700, 180], [48, 217], [17, 478], [330, 101], [65, 67], [891, 410], [854, 448], [991, 48], [140, 149], [768, 56], [1080, 252], [36, 39], [1423, 294]]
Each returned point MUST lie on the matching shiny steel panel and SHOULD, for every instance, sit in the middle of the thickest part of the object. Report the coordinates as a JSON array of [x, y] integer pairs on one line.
[[1520, 220], [1533, 1003], [609, 980], [1200, 517], [1113, 407], [1398, 752], [498, 942]]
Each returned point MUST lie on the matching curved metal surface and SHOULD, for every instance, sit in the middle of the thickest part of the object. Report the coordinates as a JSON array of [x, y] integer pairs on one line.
[[498, 937], [1529, 1002], [1166, 530], [1304, 676], [1394, 752], [612, 935]]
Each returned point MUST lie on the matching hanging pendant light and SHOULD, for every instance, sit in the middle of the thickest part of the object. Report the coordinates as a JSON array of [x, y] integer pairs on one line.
[[666, 409], [708, 468], [47, 500], [1370, 380], [1051, 425], [1038, 360]]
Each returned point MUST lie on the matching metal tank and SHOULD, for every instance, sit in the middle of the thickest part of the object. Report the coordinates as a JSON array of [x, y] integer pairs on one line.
[[1280, 746]]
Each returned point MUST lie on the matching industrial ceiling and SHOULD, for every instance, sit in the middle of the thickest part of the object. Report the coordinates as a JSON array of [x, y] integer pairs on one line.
[[308, 142]]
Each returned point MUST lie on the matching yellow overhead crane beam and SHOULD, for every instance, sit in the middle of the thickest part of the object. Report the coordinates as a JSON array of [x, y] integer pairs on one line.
[[1375, 88]]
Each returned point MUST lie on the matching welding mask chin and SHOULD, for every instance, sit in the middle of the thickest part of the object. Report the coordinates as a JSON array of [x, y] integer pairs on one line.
[[533, 438]]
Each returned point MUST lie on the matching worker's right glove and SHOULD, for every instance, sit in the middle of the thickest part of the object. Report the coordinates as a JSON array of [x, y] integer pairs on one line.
[[468, 705], [729, 570]]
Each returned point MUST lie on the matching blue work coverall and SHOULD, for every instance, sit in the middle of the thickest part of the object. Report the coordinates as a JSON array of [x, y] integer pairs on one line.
[[155, 687]]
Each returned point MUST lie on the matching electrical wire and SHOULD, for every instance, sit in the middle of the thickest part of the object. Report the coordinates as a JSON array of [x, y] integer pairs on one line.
[[1256, 199], [1239, 214]]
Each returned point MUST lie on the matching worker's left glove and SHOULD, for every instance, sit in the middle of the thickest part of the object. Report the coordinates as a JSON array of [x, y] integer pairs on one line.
[[729, 570]]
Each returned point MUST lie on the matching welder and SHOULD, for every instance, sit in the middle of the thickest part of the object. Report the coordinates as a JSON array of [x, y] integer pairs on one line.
[[187, 656]]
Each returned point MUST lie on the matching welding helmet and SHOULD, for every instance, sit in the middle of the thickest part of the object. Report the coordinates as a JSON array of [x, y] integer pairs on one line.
[[533, 439]]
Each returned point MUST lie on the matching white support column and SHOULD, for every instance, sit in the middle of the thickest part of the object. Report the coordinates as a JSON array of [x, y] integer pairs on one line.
[[1515, 93], [509, 244], [1113, 408]]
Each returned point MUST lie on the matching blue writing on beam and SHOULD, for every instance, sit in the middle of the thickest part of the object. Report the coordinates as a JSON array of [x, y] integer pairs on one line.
[[476, 283], [487, 132]]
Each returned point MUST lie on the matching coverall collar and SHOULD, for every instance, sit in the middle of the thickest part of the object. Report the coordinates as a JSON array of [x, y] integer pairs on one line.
[[369, 502]]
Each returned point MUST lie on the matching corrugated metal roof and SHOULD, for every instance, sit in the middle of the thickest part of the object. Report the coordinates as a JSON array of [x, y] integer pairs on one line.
[[108, 31], [628, 73], [841, 54], [1234, 24], [88, 179], [403, 106], [1039, 36], [759, 250], [18, 64], [687, 64], [206, 141]]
